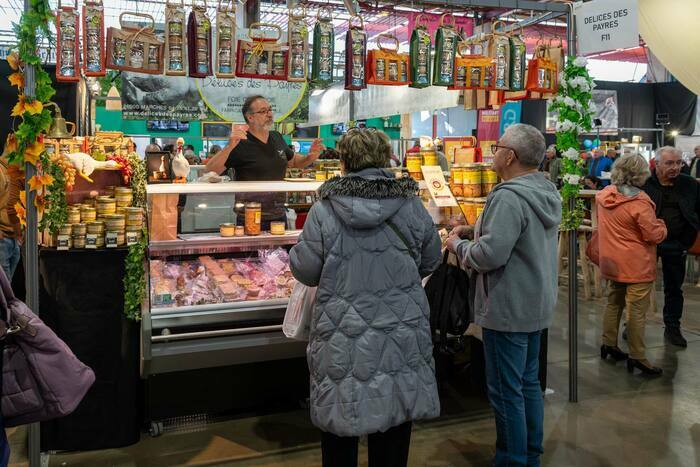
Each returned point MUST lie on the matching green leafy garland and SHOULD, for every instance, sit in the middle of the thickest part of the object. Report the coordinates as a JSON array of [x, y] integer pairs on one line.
[[138, 179], [574, 109], [135, 278]]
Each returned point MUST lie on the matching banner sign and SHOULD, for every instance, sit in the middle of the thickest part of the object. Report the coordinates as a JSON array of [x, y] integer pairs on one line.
[[510, 115], [153, 97], [603, 25], [487, 131]]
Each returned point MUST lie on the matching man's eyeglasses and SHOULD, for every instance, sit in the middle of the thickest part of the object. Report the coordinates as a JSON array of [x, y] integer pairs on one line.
[[263, 111], [496, 147]]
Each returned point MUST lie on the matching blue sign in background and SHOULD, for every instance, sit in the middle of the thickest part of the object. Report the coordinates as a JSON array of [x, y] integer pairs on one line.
[[510, 114]]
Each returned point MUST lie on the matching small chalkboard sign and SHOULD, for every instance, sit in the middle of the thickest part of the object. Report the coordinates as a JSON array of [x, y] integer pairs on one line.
[[220, 130]]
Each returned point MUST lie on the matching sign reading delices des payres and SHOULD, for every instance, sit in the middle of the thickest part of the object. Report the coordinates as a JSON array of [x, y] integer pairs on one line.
[[603, 25], [153, 97]]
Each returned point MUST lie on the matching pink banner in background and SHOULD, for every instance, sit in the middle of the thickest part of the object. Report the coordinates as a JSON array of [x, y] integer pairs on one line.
[[488, 124], [433, 22]]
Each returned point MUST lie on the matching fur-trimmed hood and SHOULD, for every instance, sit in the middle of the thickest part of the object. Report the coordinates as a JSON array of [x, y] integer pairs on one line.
[[368, 198]]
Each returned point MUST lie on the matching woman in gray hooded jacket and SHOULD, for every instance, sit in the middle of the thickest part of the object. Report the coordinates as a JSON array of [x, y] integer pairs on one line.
[[366, 245]]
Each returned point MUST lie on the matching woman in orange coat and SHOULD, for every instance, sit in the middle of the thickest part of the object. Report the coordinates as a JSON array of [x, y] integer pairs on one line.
[[628, 232]]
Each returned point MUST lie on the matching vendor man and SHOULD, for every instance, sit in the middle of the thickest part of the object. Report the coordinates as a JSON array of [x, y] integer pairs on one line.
[[257, 153]]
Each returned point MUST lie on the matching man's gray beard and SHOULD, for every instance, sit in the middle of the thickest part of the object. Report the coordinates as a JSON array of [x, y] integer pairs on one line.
[[268, 126]]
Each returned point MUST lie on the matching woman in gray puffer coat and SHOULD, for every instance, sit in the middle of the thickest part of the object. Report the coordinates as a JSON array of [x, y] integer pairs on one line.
[[366, 245]]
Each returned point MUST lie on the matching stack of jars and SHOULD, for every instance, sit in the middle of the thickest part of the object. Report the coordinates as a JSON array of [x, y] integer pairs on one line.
[[115, 230], [471, 184], [134, 224]]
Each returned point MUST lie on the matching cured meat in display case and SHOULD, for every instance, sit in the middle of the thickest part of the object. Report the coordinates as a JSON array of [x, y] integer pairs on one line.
[[217, 288]]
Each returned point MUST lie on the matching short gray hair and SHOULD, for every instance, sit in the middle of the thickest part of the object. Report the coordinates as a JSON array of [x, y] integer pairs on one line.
[[527, 142], [364, 148], [671, 149], [631, 169]]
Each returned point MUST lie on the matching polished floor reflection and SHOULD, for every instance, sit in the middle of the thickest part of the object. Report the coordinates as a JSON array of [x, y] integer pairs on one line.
[[620, 420]]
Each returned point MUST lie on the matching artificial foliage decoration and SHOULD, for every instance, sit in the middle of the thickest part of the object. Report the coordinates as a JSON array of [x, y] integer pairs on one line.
[[138, 179], [27, 146], [135, 278], [574, 109]]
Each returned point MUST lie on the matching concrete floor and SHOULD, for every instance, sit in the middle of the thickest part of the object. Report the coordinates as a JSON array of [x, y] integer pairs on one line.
[[620, 419]]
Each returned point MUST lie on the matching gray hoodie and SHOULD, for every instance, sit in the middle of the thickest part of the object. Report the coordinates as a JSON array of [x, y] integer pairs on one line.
[[514, 256], [370, 351]]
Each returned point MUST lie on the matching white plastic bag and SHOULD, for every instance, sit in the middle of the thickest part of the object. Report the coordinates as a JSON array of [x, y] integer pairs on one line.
[[297, 318]]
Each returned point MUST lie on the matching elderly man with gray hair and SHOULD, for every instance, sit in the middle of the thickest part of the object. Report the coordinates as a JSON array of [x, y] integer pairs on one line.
[[694, 169], [677, 199], [513, 258]]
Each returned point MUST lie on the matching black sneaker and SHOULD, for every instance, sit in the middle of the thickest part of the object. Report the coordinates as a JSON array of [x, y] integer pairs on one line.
[[674, 337]]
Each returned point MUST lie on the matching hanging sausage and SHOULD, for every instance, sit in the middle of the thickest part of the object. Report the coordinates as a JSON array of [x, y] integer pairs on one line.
[[68, 43], [446, 39], [419, 52], [225, 40], [323, 48], [135, 48], [386, 65], [175, 39], [94, 38], [355, 55], [199, 42]]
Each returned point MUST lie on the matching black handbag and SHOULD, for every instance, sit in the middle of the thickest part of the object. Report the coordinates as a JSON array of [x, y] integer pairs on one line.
[[448, 295]]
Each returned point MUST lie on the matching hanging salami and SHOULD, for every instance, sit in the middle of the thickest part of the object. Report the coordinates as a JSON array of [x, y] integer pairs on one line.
[[94, 39], [497, 47], [446, 39], [175, 33], [135, 48], [68, 43], [385, 65], [199, 42], [298, 39], [419, 52], [262, 57], [355, 55], [323, 48], [225, 40]]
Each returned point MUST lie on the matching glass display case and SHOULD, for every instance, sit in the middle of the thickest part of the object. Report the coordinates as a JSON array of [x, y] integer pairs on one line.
[[218, 273]]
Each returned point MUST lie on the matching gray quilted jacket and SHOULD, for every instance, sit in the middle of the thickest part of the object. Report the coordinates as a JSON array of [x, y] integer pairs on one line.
[[370, 352]]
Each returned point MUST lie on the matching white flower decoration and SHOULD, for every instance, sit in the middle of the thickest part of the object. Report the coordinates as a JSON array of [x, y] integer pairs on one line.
[[569, 102], [592, 107], [572, 179], [581, 61], [571, 154]]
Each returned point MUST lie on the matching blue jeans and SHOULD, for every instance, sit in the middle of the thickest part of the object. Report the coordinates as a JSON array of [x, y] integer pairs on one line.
[[9, 256], [512, 367]]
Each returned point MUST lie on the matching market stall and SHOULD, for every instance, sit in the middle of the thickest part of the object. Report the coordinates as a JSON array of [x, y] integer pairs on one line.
[[195, 280]]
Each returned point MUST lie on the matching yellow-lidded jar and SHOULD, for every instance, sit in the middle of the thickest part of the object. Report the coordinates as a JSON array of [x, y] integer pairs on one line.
[[88, 214], [471, 186], [79, 241], [96, 228], [106, 205], [123, 196], [115, 222], [413, 164], [278, 228], [79, 230], [227, 230], [134, 216]]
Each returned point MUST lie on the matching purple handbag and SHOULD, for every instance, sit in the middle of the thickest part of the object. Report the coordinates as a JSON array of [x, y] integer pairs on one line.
[[41, 378]]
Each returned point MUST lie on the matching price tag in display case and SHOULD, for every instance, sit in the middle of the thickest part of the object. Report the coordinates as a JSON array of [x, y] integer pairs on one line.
[[91, 241], [111, 239], [132, 238], [63, 242]]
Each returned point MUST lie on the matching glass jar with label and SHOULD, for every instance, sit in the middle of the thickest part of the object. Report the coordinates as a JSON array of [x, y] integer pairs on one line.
[[253, 218]]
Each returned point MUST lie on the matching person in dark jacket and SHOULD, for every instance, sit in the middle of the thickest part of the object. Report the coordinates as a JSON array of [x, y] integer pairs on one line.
[[367, 244], [677, 199]]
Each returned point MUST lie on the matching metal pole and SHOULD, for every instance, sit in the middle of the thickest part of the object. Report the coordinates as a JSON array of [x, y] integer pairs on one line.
[[31, 259], [573, 258]]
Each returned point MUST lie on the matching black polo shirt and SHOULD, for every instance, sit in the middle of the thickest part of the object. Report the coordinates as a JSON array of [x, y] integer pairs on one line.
[[255, 161]]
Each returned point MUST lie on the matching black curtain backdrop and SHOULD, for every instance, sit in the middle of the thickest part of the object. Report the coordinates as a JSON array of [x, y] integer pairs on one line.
[[65, 97], [680, 103]]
